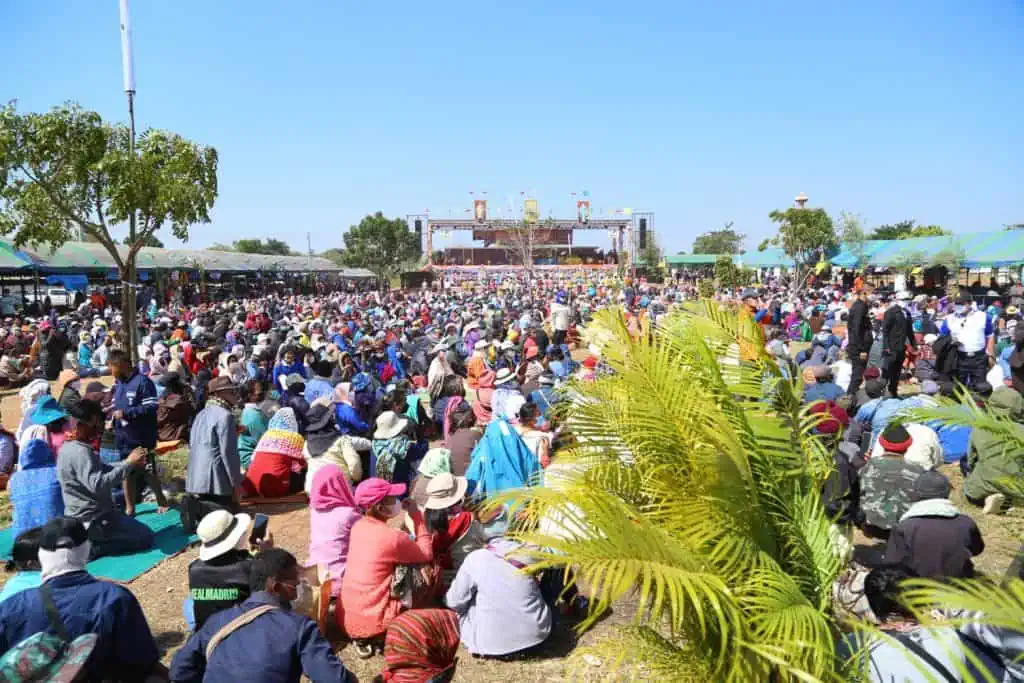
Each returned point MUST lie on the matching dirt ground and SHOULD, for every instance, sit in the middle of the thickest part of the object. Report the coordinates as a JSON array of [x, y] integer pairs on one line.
[[162, 590]]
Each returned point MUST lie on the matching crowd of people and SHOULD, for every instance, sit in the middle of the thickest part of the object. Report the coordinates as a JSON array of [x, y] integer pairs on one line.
[[395, 414]]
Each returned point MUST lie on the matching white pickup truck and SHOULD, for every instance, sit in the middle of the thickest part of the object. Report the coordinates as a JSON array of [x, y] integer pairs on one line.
[[59, 297]]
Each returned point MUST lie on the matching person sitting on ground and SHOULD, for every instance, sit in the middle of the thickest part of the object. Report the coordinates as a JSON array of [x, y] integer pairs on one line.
[[219, 578], [537, 441], [332, 514], [463, 438], [991, 464], [375, 552], [507, 397], [85, 366], [34, 489], [456, 530], [86, 485], [421, 645], [278, 468], [346, 417], [293, 398], [288, 365], [319, 386], [501, 609], [879, 411], [124, 649], [253, 421], [933, 653], [24, 562], [325, 445], [30, 395], [437, 461], [933, 538], [174, 411], [887, 482], [214, 474], [268, 640], [823, 389], [926, 449], [394, 443]]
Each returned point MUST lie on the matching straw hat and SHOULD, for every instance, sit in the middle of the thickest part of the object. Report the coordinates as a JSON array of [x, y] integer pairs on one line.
[[389, 425], [504, 375], [445, 490], [221, 532]]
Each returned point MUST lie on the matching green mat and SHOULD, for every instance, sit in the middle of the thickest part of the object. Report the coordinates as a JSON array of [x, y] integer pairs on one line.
[[170, 540]]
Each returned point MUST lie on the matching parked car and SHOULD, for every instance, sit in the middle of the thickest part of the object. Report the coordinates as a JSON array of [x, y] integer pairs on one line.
[[59, 297]]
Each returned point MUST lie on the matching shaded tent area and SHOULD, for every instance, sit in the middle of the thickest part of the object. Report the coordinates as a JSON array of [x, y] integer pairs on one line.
[[83, 257], [973, 250]]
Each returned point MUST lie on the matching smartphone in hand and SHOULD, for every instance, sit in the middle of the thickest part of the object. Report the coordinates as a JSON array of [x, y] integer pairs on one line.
[[259, 528]]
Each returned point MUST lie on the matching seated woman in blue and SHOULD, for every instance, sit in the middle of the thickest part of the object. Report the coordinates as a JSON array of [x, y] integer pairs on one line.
[[289, 364], [35, 491]]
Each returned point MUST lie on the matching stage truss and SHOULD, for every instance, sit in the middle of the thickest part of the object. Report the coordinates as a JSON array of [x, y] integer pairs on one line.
[[621, 229]]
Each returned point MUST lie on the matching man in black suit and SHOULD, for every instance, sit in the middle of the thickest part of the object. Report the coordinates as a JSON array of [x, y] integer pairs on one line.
[[897, 332], [859, 339]]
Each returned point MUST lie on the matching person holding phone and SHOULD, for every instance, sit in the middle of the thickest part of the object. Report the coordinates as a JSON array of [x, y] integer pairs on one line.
[[219, 578]]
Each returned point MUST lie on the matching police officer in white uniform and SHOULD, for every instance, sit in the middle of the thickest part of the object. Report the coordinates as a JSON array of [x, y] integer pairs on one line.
[[970, 329]]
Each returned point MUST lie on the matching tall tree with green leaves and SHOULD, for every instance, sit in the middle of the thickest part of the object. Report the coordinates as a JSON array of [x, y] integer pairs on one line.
[[383, 245], [907, 229], [806, 236], [67, 172], [270, 247], [724, 241], [853, 235]]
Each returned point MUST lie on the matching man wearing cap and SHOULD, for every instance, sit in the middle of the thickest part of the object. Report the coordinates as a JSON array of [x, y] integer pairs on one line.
[[933, 538], [125, 648], [887, 482], [897, 332], [214, 469], [971, 330]]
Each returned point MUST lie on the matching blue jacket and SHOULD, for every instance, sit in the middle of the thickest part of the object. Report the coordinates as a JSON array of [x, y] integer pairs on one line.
[[34, 488], [125, 648], [137, 398], [348, 420], [281, 369], [318, 387], [501, 460], [278, 647]]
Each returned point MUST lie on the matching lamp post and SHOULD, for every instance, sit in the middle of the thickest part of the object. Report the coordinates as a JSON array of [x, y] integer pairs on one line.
[[128, 277]]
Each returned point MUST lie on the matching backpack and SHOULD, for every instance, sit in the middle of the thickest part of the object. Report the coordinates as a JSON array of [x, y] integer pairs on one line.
[[45, 657]]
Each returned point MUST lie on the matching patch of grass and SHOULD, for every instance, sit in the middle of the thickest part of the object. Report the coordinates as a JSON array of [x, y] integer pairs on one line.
[[175, 463], [6, 510]]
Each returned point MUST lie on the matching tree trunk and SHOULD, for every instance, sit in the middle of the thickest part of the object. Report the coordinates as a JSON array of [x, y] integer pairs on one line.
[[131, 331]]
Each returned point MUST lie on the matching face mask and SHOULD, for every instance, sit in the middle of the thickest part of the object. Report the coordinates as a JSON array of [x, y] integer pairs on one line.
[[931, 311], [960, 310]]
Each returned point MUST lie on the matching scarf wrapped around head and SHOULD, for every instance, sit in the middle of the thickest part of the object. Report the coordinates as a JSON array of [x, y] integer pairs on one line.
[[437, 461], [282, 435], [30, 395], [330, 489], [341, 394], [420, 644]]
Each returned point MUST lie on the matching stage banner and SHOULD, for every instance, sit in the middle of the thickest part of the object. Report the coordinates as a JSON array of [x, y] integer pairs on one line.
[[583, 211], [531, 212], [480, 210], [509, 237]]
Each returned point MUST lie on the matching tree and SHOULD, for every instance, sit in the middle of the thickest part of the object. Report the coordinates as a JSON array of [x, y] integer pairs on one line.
[[805, 235], [67, 171], [907, 229], [272, 247], [151, 241], [217, 246], [724, 241], [687, 492], [335, 255], [852, 234], [382, 245], [651, 253], [731, 276]]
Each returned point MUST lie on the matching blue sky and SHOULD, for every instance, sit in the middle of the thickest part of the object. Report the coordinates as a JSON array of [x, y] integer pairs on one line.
[[701, 112]]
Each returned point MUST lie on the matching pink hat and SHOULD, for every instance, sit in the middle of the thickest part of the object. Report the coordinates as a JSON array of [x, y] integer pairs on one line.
[[374, 490]]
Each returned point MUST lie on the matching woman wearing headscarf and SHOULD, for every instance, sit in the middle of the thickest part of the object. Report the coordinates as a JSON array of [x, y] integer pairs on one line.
[[332, 514], [420, 646], [30, 395], [34, 488], [393, 442], [482, 406], [436, 461], [277, 467]]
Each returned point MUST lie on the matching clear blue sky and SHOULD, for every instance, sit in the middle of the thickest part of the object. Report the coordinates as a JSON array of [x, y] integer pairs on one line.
[[701, 112]]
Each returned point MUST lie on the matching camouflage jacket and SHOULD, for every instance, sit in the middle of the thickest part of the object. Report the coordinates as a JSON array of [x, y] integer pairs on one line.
[[886, 484]]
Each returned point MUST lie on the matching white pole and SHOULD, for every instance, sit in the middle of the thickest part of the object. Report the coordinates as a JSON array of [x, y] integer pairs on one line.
[[127, 60], [128, 277]]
